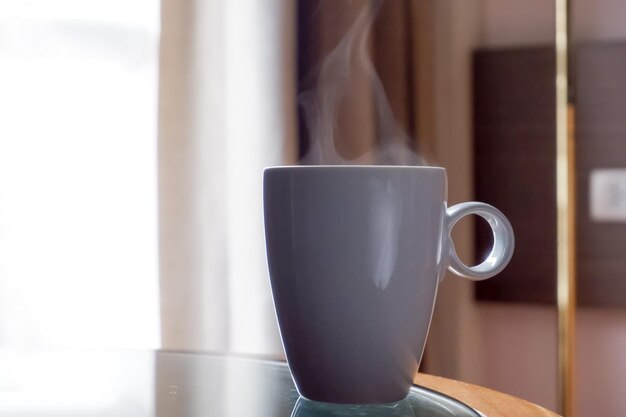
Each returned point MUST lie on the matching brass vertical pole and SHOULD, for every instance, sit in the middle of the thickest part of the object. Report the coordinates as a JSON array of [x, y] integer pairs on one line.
[[565, 202]]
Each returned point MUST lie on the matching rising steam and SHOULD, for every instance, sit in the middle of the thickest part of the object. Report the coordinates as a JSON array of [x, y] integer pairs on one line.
[[321, 104]]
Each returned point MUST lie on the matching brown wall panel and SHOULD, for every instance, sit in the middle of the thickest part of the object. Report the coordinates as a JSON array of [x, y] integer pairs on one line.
[[600, 143], [514, 130], [514, 122]]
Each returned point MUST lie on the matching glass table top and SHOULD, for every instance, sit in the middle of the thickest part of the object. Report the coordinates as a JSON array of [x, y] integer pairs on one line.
[[169, 384]]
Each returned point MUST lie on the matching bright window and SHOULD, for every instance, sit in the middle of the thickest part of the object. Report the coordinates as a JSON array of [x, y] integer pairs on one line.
[[78, 175]]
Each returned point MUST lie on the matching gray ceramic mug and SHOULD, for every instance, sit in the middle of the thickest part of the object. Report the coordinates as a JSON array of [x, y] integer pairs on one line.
[[355, 256]]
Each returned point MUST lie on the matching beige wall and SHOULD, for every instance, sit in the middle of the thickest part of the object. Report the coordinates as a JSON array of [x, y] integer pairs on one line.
[[512, 347]]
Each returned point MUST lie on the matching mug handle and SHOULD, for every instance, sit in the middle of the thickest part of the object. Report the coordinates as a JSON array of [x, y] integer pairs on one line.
[[503, 241]]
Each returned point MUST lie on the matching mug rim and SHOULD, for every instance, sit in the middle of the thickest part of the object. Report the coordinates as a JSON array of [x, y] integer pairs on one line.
[[348, 167]]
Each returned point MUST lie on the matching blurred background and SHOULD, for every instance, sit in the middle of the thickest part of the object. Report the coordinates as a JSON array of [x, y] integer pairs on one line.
[[133, 137]]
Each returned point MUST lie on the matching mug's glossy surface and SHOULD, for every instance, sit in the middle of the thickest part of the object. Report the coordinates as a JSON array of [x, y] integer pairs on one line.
[[355, 255], [355, 258]]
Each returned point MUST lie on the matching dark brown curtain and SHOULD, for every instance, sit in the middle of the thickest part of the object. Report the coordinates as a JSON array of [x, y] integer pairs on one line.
[[321, 25]]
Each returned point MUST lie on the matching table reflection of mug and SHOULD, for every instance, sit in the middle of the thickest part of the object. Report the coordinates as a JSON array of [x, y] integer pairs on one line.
[[420, 402], [306, 408], [355, 256]]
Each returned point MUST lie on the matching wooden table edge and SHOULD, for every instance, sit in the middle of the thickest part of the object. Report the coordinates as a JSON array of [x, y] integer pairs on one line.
[[489, 402]]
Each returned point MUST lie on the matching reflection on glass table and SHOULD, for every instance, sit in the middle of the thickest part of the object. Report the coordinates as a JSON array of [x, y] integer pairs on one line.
[[167, 384]]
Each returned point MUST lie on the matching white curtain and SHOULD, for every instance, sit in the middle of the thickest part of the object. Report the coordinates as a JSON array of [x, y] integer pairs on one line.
[[226, 111]]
